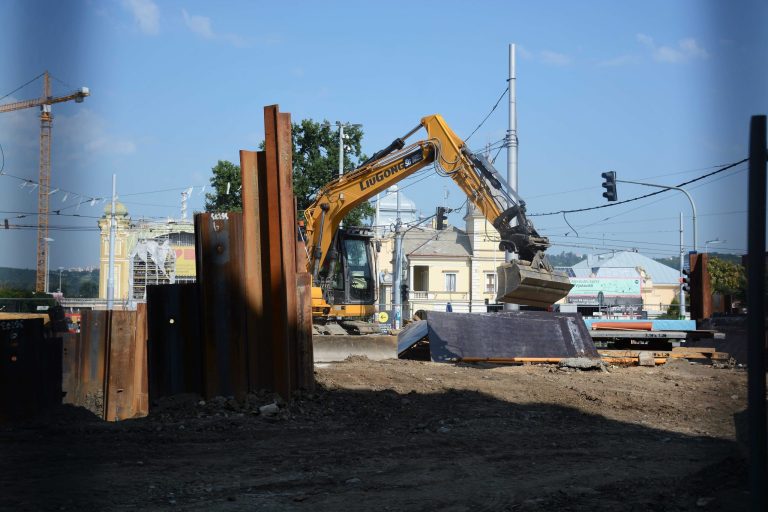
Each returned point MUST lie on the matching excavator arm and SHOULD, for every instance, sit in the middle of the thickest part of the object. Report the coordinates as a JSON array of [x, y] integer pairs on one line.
[[529, 281]]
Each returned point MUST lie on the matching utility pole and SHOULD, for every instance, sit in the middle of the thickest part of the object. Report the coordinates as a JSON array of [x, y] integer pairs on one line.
[[397, 266], [512, 147], [60, 269], [112, 233]]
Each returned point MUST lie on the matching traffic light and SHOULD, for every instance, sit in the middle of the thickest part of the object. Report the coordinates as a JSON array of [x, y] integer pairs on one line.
[[404, 289], [441, 217], [686, 280], [610, 186]]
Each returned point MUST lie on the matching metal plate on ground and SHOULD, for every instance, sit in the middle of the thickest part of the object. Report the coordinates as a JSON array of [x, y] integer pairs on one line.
[[511, 334], [410, 335]]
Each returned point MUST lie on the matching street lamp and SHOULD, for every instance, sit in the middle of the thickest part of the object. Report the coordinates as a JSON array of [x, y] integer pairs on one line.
[[342, 137], [716, 241], [668, 187], [47, 261]]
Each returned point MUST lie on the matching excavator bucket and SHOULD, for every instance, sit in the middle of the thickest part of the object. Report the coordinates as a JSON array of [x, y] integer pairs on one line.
[[522, 284]]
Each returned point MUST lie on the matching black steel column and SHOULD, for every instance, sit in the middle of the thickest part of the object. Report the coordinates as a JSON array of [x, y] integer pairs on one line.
[[756, 316]]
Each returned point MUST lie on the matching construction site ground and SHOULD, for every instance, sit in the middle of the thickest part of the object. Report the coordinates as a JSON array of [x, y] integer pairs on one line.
[[405, 435]]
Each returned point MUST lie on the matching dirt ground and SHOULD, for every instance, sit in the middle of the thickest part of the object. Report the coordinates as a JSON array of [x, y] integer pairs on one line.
[[405, 435]]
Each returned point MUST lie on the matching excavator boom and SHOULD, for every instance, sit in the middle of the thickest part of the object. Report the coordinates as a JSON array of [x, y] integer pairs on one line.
[[530, 280]]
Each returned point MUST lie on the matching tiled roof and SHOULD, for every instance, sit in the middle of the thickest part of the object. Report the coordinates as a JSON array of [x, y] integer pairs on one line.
[[626, 264], [451, 242]]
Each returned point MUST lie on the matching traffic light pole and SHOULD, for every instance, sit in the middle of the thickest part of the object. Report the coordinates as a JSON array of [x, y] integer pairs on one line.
[[693, 206], [682, 266]]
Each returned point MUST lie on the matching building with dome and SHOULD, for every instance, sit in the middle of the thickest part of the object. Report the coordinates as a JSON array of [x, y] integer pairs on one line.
[[387, 210], [146, 252]]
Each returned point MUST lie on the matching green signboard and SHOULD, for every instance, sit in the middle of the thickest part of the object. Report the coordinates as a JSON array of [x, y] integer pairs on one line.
[[591, 286]]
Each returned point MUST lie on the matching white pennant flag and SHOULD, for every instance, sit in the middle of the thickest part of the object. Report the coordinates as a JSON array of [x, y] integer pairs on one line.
[[53, 191], [66, 195]]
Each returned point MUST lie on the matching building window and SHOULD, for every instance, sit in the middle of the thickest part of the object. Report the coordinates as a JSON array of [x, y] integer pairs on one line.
[[450, 282], [490, 283]]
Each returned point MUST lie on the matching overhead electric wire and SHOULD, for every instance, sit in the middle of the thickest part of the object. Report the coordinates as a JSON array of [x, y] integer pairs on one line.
[[637, 198], [660, 199], [489, 114]]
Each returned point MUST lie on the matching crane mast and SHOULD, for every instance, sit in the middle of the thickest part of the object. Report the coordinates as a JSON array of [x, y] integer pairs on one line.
[[44, 179]]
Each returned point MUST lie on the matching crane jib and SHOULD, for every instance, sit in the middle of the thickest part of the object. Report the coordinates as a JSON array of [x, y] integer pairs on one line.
[[405, 163]]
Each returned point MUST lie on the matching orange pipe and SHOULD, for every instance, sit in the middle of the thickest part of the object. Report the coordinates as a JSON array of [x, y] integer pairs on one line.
[[623, 326]]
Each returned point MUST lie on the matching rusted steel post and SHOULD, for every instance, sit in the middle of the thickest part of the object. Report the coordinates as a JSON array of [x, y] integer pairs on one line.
[[141, 384], [305, 375], [93, 337], [120, 377], [219, 254], [258, 378], [281, 263]]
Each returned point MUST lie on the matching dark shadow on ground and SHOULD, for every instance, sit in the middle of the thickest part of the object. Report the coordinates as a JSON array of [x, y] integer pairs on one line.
[[350, 450]]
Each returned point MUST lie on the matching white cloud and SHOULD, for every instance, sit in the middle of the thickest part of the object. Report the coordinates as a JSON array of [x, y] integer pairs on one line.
[[88, 132], [686, 49], [107, 144], [545, 56], [617, 61], [557, 59], [146, 14], [202, 26], [523, 52]]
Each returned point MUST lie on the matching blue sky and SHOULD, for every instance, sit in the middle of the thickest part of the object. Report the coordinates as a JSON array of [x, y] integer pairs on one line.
[[660, 91]]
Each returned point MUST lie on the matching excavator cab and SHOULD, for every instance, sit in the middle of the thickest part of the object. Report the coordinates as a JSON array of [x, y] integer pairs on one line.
[[346, 277]]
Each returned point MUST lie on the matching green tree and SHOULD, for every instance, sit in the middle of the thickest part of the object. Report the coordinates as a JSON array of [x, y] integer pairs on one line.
[[727, 277], [673, 311], [315, 164], [88, 289], [225, 182]]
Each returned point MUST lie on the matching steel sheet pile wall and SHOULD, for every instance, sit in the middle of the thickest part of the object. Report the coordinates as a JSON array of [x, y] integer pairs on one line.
[[255, 315], [104, 367], [174, 355], [30, 369]]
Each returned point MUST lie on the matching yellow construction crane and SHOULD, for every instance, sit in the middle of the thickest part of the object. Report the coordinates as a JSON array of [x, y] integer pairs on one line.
[[44, 185]]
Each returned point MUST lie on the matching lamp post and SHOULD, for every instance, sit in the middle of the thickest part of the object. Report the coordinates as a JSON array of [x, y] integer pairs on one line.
[[342, 137], [669, 187], [712, 242], [47, 261]]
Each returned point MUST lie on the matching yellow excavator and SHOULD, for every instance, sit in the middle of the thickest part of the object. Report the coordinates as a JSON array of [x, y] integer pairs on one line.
[[341, 260]]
